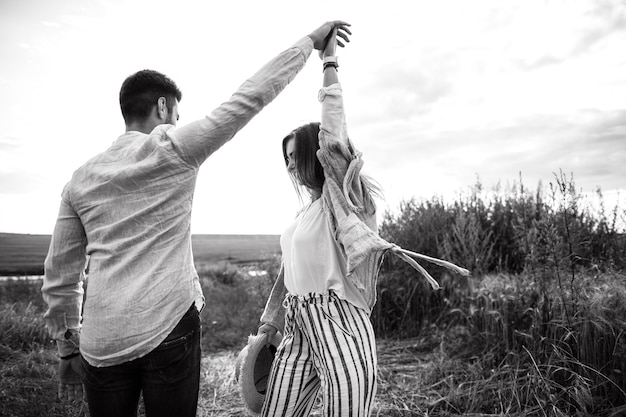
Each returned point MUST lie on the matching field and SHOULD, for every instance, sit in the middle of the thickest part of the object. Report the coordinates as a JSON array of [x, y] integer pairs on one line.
[[28, 361], [539, 330], [22, 254], [28, 365], [443, 372]]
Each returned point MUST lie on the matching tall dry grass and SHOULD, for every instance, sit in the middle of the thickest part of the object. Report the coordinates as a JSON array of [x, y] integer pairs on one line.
[[545, 310], [234, 302], [27, 357]]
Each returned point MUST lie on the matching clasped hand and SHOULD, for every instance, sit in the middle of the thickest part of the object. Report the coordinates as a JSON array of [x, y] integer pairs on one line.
[[269, 331], [323, 34]]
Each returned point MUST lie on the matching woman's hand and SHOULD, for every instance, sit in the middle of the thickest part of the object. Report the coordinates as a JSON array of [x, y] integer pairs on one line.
[[322, 35], [330, 76], [268, 330]]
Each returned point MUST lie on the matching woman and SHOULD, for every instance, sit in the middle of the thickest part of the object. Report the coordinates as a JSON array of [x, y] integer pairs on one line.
[[327, 283]]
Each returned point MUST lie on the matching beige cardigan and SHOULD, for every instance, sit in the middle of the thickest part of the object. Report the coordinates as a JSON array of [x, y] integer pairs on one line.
[[350, 211]]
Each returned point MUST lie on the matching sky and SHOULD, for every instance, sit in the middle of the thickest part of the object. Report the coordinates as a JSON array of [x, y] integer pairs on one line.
[[437, 94]]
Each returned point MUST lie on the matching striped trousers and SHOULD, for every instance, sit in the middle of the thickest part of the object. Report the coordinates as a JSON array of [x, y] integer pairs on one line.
[[329, 345]]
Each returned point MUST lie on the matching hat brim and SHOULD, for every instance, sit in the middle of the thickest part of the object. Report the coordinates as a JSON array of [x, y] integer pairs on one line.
[[252, 369]]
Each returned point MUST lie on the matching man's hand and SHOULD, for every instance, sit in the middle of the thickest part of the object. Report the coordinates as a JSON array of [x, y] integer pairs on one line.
[[321, 35], [331, 45], [70, 382]]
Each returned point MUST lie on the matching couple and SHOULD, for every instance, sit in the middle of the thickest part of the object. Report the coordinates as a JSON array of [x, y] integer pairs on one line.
[[125, 220]]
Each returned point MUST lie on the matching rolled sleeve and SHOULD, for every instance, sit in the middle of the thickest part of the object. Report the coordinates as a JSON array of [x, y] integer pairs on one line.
[[342, 163], [335, 153], [333, 115]]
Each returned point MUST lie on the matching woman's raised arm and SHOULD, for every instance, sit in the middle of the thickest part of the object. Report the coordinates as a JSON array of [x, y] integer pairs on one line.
[[330, 60]]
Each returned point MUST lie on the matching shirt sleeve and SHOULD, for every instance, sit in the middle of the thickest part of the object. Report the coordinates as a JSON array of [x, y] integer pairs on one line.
[[198, 140], [63, 279]]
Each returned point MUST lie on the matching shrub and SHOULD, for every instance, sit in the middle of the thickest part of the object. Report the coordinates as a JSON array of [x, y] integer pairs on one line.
[[545, 307], [234, 303]]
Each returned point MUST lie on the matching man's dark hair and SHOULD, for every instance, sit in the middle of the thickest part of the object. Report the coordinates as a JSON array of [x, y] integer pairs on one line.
[[141, 91]]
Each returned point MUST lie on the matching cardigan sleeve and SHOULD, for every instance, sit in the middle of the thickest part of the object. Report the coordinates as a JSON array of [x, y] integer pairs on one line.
[[342, 163], [349, 206], [274, 312]]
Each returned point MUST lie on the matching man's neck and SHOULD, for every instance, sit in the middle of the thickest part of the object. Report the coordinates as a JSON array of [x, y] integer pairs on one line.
[[145, 126]]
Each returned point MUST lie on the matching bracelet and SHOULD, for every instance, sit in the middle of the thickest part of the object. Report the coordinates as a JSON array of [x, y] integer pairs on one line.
[[70, 356], [330, 61], [330, 64]]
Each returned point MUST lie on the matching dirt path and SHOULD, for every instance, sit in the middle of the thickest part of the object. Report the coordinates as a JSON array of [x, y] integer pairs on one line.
[[401, 366]]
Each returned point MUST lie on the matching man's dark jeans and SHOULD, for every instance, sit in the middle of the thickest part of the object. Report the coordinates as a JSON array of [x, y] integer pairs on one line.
[[169, 377]]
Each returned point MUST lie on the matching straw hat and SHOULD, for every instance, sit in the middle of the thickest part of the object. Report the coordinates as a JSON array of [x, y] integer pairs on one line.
[[252, 369]]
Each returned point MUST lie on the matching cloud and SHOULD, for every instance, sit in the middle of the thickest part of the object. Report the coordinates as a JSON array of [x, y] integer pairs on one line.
[[407, 88], [9, 144], [605, 18], [20, 183], [564, 39], [590, 144]]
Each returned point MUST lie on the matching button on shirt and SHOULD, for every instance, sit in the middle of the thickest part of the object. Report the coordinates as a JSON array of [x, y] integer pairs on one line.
[[125, 218]]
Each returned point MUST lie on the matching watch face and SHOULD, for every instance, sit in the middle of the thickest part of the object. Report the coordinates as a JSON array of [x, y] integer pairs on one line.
[[72, 336]]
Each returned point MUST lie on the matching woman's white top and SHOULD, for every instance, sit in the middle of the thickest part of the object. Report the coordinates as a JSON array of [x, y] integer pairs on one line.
[[312, 259]]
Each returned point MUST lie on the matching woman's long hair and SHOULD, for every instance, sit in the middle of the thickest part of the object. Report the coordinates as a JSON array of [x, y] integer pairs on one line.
[[308, 169]]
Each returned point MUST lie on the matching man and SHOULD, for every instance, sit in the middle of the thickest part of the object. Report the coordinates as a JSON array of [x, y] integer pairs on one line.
[[125, 218]]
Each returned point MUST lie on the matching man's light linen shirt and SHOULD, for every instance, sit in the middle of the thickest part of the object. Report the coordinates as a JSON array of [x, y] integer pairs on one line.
[[125, 218]]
